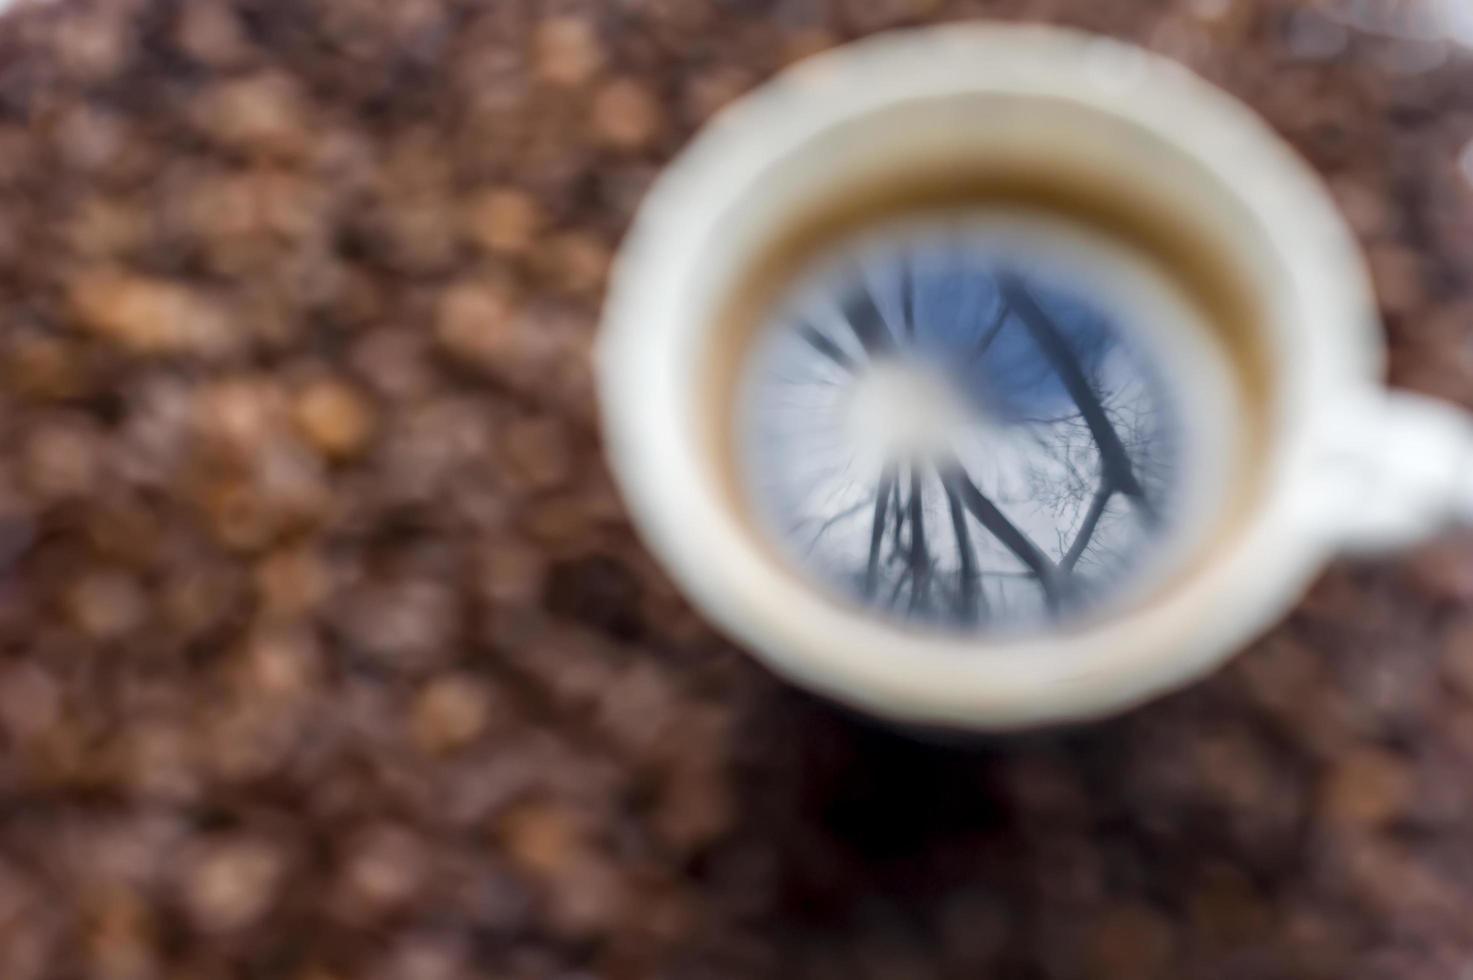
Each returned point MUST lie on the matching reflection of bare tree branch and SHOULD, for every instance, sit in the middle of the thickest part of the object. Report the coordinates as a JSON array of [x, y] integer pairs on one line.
[[825, 346], [899, 517], [997, 523], [868, 323], [920, 555], [1050, 420], [908, 297], [1087, 530], [877, 533], [899, 584], [831, 521], [1119, 474], [990, 334], [969, 592]]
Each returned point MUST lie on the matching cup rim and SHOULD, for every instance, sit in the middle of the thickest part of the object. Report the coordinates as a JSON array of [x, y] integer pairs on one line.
[[649, 327]]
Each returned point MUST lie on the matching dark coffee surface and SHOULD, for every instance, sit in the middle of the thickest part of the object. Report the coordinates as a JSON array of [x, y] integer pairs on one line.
[[326, 651]]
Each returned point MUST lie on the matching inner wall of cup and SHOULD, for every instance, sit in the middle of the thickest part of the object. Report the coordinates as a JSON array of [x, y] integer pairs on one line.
[[1108, 184]]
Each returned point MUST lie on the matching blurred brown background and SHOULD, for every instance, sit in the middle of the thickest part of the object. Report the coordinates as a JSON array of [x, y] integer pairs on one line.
[[326, 651]]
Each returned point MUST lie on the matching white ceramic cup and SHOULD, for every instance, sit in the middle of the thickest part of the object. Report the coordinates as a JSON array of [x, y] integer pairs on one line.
[[1316, 457]]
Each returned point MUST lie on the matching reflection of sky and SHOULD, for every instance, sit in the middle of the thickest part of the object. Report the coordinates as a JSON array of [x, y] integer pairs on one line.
[[1024, 444]]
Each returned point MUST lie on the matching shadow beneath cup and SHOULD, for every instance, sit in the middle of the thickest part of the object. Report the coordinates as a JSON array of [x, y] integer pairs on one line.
[[1104, 849]]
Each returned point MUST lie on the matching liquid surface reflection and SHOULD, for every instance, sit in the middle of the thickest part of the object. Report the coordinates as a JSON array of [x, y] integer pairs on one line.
[[959, 431]]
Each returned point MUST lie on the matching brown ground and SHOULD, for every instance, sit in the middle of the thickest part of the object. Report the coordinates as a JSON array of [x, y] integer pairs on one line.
[[326, 652]]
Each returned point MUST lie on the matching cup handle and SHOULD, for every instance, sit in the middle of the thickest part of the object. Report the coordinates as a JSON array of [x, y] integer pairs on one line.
[[1399, 472]]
